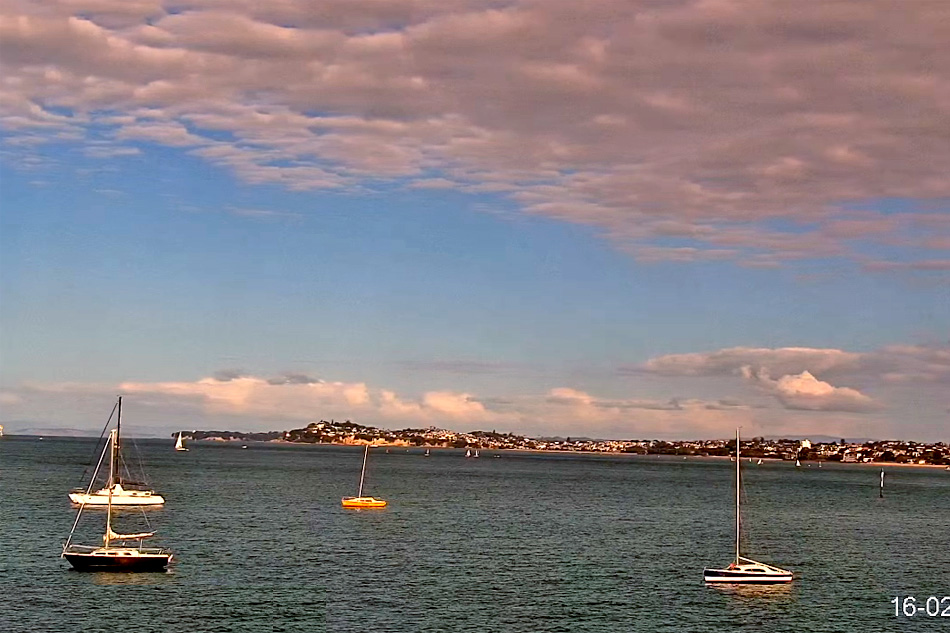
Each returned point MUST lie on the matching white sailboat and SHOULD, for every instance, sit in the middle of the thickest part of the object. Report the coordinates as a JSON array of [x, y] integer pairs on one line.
[[468, 452], [476, 453], [745, 570], [179, 444], [114, 492], [758, 463], [798, 464], [115, 554]]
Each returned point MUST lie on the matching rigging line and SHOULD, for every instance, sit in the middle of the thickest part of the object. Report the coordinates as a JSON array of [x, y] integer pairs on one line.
[[88, 462], [751, 511], [82, 506], [142, 478], [148, 524], [138, 456]]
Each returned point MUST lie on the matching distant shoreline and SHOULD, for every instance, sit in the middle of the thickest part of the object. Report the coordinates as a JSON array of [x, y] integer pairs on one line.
[[805, 463], [489, 450]]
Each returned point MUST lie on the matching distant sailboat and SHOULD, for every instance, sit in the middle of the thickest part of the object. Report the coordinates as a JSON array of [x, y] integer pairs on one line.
[[427, 452], [468, 452], [179, 444], [359, 501], [112, 557], [745, 570], [797, 464], [476, 453], [758, 463]]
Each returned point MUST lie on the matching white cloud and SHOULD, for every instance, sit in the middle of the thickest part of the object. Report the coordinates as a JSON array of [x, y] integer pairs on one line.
[[804, 391]]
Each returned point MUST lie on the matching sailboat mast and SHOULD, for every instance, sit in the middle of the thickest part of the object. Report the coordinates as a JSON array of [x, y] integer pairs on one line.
[[112, 438], [738, 487], [115, 445], [363, 472]]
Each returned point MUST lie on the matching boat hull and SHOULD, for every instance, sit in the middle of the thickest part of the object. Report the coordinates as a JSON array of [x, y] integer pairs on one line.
[[119, 560], [363, 502], [125, 499], [740, 577]]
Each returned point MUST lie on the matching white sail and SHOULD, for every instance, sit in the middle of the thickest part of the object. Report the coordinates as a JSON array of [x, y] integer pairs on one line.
[[179, 444], [112, 536]]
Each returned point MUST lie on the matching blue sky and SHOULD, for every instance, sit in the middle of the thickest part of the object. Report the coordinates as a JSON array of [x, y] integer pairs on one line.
[[243, 218]]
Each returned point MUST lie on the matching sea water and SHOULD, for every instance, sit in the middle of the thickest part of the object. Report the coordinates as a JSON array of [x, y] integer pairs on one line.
[[533, 542]]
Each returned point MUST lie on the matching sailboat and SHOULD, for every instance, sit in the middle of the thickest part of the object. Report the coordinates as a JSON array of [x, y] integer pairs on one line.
[[427, 452], [758, 463], [476, 453], [115, 554], [745, 570], [798, 463], [468, 452], [115, 493], [179, 444], [359, 501]]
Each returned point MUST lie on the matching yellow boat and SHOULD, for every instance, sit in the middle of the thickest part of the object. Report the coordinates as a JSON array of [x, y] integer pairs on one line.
[[359, 501], [363, 502]]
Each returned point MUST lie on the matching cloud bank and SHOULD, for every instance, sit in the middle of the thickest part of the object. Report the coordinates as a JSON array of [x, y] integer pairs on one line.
[[800, 397], [797, 386], [700, 130]]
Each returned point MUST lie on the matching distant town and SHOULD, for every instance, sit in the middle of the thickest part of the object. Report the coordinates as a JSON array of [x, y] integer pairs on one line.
[[347, 432]]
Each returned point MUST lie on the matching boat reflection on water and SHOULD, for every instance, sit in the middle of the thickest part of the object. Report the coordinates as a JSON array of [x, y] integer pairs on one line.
[[777, 594], [113, 578]]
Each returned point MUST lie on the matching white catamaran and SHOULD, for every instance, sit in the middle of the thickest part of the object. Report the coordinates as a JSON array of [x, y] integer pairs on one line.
[[116, 552], [745, 570]]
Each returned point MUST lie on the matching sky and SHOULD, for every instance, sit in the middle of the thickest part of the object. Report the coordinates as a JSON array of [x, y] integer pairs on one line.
[[621, 219]]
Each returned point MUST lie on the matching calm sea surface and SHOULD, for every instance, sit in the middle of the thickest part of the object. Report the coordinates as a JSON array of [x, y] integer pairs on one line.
[[523, 542]]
